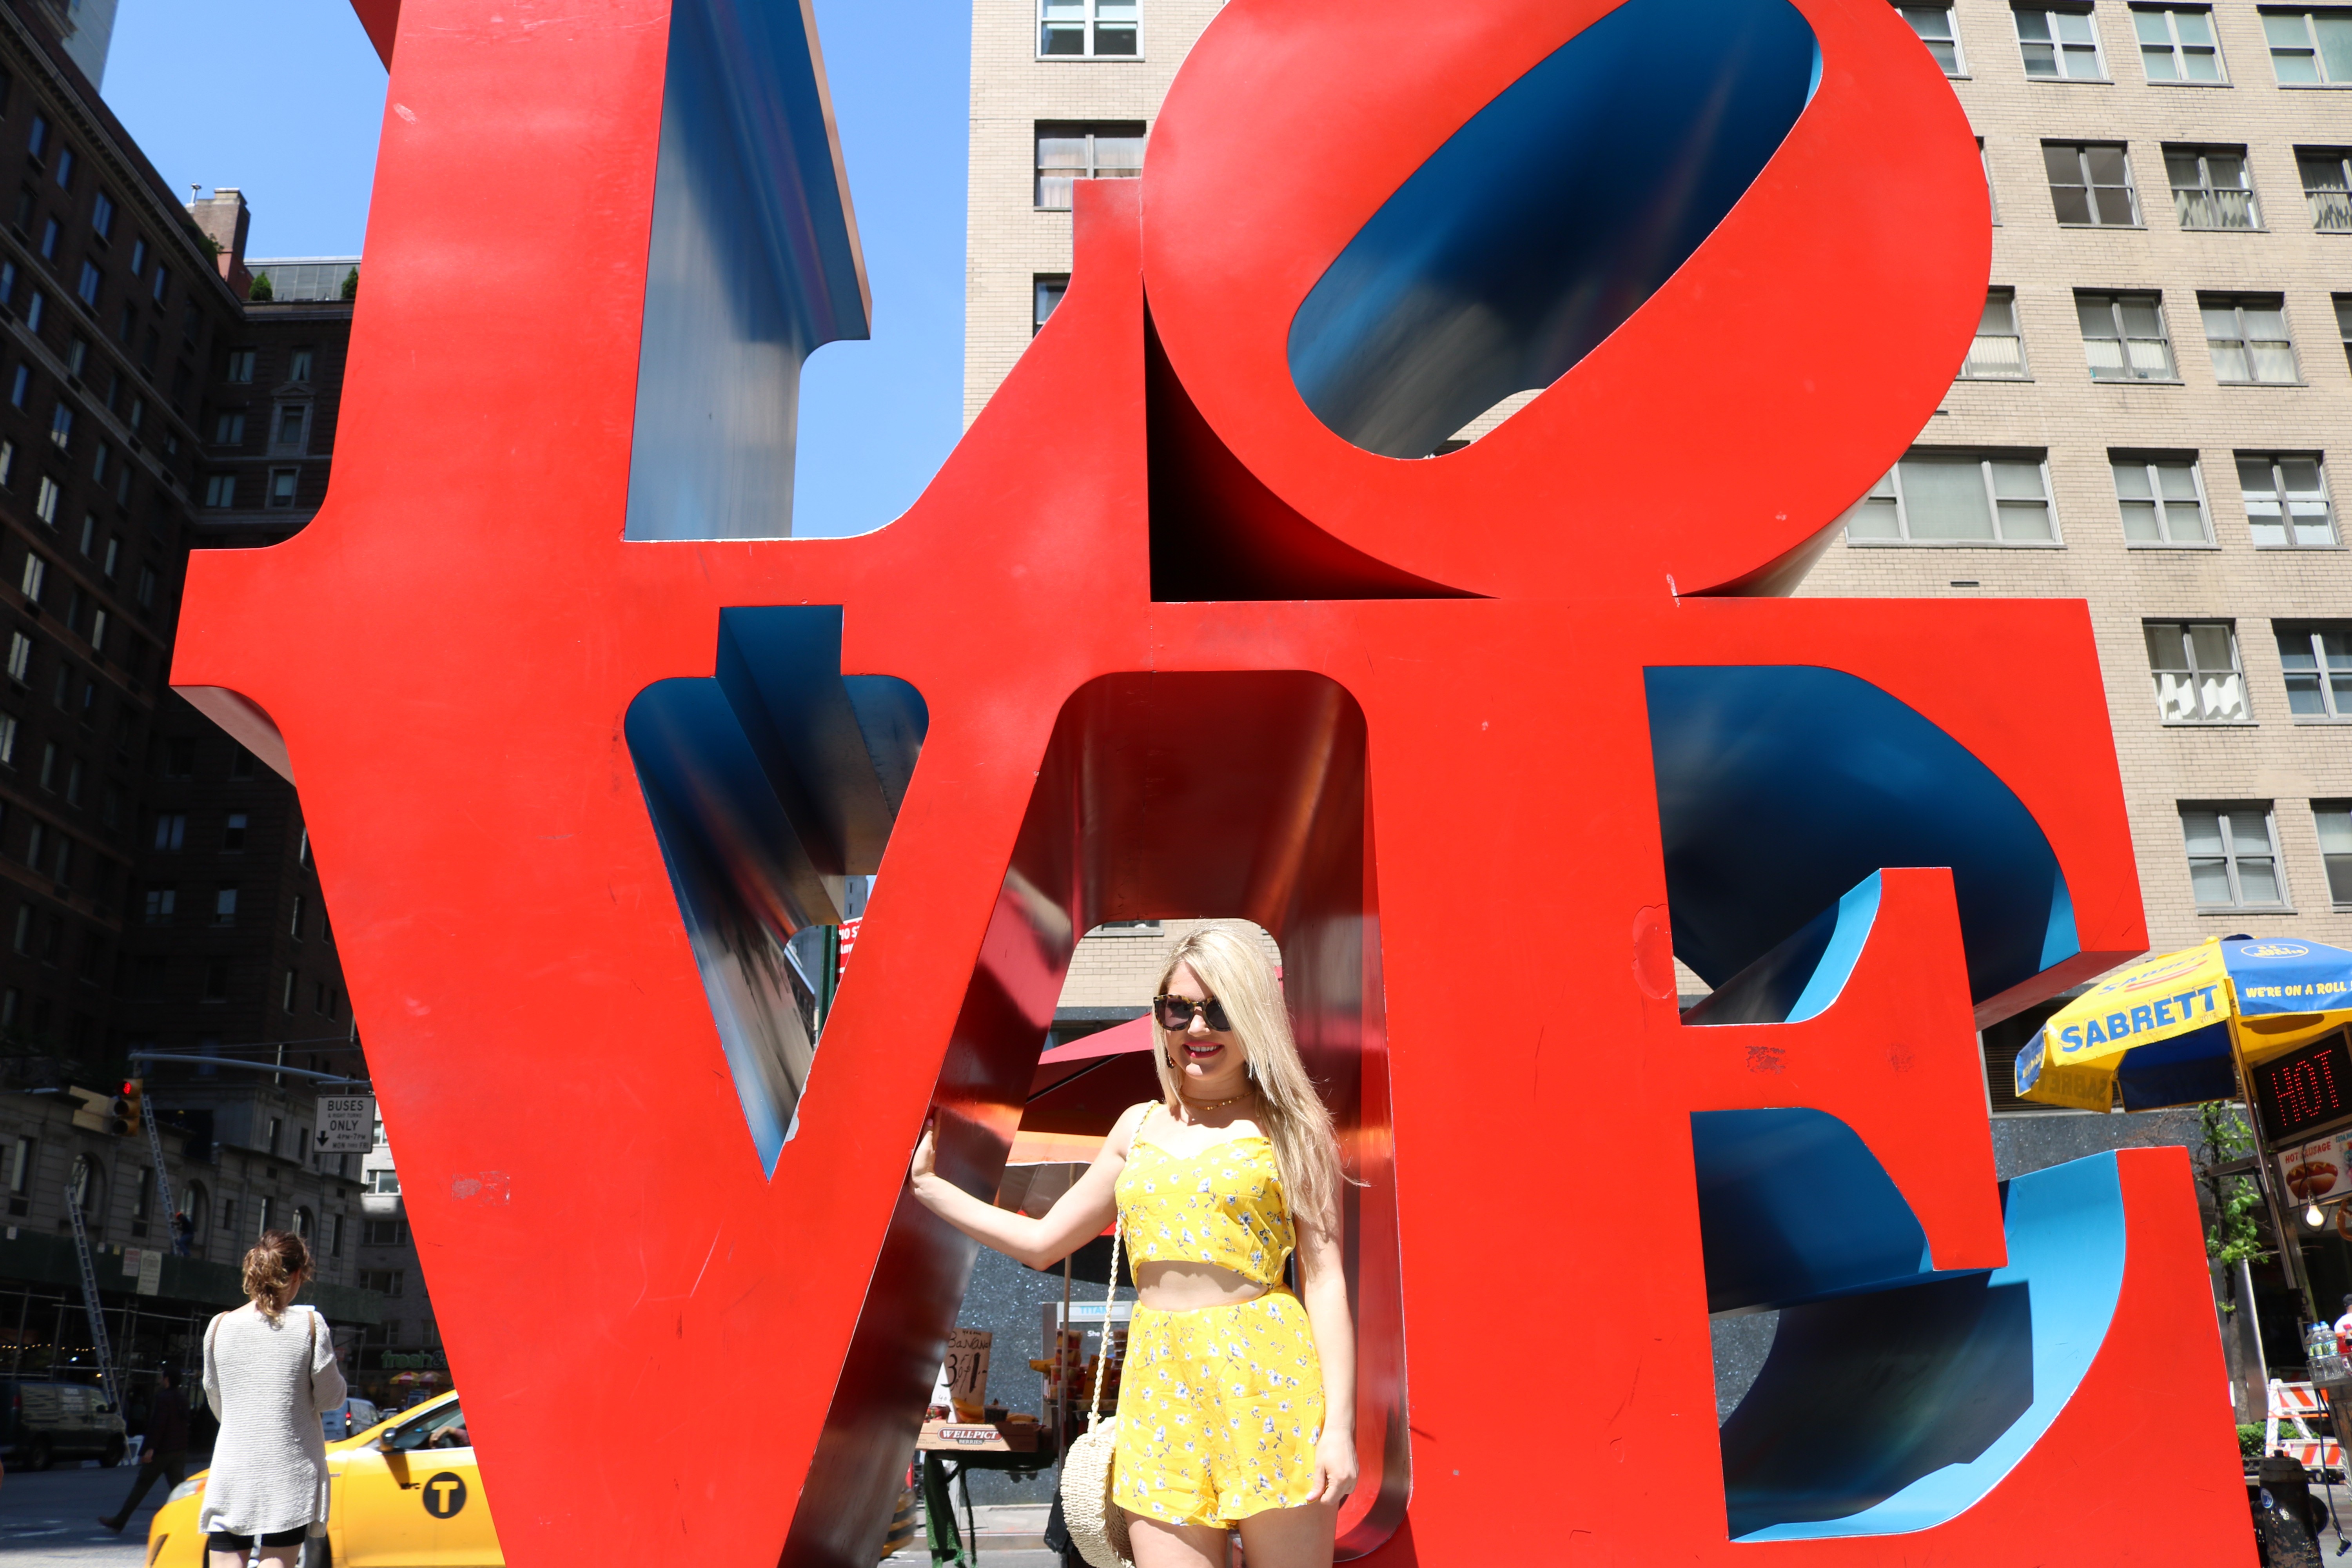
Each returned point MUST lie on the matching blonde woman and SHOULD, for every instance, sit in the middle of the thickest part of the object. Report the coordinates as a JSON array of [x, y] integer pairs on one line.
[[1237, 1405], [270, 1372]]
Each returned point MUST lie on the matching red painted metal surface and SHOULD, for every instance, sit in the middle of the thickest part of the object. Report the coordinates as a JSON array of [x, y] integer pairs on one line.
[[1442, 807]]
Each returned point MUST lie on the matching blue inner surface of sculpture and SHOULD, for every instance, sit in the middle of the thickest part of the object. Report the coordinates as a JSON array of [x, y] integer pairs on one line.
[[753, 265], [1548, 217], [1895, 1396], [1782, 787], [770, 784]]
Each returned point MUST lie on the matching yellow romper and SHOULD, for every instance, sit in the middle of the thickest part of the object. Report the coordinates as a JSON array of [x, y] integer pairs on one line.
[[1219, 1407]]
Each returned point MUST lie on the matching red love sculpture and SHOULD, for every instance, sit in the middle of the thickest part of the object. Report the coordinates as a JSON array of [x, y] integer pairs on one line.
[[1198, 620]]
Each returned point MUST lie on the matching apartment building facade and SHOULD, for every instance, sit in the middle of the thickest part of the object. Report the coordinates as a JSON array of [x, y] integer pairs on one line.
[[235, 1164], [111, 308], [2156, 418]]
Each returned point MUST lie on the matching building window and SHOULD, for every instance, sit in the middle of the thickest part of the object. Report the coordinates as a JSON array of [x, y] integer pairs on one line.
[[240, 366], [2317, 662], [2343, 303], [2211, 188], [220, 491], [86, 288], [172, 830], [2327, 186], [1999, 351], [161, 902], [65, 168], [225, 906], [2310, 48], [39, 141], [20, 1165], [297, 365], [1934, 25], [2124, 338], [1049, 290], [61, 424], [2246, 334], [2091, 184], [292, 419], [1069, 150], [2195, 667], [2060, 45], [35, 573], [1087, 28], [2287, 500], [2177, 44], [2333, 818], [1958, 498], [228, 430], [2233, 857], [102, 215], [384, 1180], [8, 738], [20, 657], [233, 834], [282, 483]]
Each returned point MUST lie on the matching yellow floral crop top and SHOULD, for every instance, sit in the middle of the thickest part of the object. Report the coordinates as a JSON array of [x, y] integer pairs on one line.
[[1223, 1205]]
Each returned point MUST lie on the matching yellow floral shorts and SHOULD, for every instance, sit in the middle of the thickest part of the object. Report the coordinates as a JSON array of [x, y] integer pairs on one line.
[[1219, 1410]]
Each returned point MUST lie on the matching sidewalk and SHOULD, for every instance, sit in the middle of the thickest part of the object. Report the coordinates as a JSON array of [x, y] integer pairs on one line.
[[1012, 1535]]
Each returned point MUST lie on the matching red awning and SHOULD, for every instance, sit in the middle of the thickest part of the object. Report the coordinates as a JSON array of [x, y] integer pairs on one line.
[[1082, 1087]]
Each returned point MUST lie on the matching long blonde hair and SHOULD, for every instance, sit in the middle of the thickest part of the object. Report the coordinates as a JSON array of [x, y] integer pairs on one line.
[[1296, 1121]]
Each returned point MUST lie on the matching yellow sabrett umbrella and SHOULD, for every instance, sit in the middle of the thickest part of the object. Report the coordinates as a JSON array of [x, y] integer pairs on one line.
[[2161, 1032]]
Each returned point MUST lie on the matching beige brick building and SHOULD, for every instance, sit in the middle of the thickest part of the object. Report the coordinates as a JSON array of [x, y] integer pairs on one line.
[[2157, 418]]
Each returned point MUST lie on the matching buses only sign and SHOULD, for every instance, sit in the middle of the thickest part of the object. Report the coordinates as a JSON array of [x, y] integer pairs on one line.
[[346, 1123]]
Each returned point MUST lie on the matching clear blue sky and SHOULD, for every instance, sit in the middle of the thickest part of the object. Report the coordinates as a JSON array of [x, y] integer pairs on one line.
[[282, 99]]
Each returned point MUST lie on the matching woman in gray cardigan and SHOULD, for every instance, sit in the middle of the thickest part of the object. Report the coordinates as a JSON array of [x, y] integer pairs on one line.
[[269, 1371]]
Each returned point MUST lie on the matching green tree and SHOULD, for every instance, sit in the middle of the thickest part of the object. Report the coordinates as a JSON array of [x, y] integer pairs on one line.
[[352, 284], [263, 291], [2233, 1236]]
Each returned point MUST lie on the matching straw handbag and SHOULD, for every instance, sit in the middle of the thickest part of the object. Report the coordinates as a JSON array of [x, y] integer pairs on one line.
[[1098, 1526]]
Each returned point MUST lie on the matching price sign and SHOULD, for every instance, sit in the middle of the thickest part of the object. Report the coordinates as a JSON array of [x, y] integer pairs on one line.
[[2304, 1090], [967, 1371]]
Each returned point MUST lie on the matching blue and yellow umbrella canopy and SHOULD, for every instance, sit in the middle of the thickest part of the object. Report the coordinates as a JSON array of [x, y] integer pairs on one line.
[[2159, 1032]]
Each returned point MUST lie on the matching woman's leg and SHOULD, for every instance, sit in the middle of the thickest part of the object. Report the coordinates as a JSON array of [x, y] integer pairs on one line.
[[224, 1559], [1157, 1544], [278, 1557], [1288, 1537]]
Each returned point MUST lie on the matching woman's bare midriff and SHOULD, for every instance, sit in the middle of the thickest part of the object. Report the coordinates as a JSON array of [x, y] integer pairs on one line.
[[1181, 1287]]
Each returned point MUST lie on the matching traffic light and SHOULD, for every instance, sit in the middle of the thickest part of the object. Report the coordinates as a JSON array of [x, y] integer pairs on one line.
[[102, 1112], [134, 1107]]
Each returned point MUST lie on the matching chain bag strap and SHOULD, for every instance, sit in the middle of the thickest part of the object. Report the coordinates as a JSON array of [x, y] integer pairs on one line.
[[1110, 1296]]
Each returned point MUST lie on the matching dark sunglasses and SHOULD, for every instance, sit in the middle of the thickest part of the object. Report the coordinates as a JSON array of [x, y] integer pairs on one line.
[[1175, 1013]]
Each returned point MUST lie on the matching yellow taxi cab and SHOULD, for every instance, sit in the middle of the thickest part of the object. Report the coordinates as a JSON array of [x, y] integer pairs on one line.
[[405, 1493]]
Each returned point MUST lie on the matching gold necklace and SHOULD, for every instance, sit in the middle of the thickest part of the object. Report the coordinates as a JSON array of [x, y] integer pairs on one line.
[[1192, 1104]]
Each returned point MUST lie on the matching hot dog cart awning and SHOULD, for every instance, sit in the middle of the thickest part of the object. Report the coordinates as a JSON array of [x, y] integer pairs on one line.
[[2159, 1032]]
